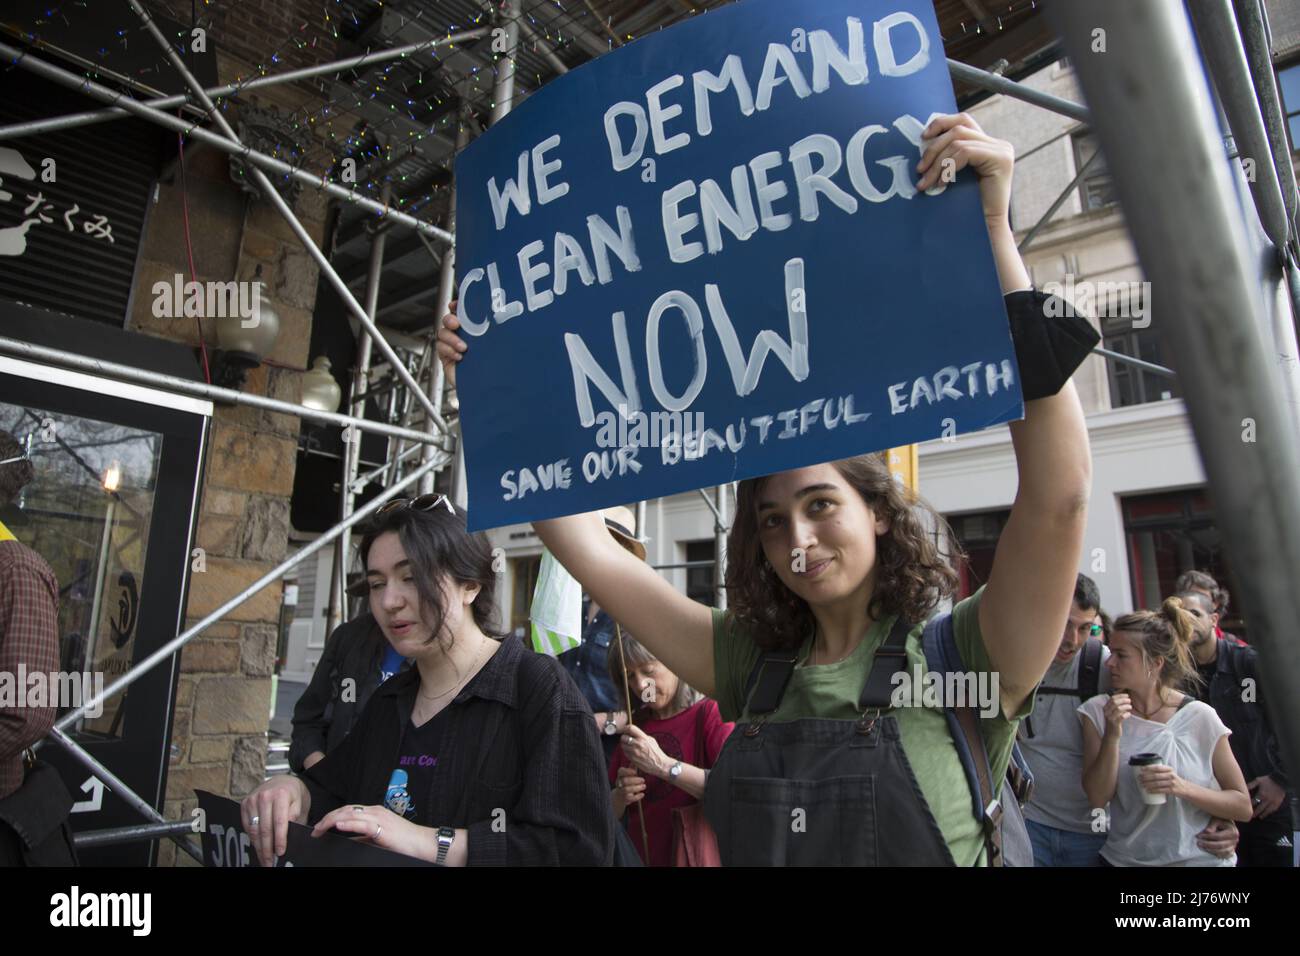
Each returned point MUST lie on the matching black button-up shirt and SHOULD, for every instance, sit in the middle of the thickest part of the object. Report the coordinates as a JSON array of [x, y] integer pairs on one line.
[[521, 766]]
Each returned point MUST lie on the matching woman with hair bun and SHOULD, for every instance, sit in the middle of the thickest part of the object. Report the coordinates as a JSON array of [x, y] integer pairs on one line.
[[1159, 757]]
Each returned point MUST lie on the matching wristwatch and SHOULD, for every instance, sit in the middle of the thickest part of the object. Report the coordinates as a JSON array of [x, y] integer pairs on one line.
[[675, 771], [611, 728], [446, 837]]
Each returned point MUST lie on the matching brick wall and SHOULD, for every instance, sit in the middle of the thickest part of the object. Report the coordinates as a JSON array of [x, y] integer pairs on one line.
[[224, 695]]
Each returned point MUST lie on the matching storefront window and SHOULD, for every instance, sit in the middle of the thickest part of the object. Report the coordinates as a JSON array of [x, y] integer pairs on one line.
[[1170, 533], [87, 513], [699, 581], [978, 536]]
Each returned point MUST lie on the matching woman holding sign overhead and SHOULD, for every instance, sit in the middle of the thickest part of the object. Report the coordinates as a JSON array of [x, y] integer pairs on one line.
[[832, 574]]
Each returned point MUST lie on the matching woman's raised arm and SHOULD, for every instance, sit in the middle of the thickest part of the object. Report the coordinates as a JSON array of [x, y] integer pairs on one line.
[[1031, 584], [675, 629]]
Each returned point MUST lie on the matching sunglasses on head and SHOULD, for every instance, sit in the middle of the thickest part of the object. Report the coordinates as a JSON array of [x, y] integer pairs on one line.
[[421, 503], [6, 461]]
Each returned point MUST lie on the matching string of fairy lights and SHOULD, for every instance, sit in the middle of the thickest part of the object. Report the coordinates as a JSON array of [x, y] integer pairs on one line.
[[343, 122]]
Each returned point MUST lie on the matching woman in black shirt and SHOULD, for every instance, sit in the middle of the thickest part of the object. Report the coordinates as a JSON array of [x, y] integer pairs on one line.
[[481, 753]]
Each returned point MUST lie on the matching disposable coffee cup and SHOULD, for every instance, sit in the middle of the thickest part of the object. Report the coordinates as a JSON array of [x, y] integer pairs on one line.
[[1138, 761]]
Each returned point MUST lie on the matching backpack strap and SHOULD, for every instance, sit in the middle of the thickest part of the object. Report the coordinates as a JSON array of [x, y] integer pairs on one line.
[[1019, 775], [1088, 682], [942, 655], [891, 657], [1090, 669]]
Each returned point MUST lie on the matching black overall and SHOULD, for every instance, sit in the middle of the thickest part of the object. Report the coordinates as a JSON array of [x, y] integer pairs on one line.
[[820, 792]]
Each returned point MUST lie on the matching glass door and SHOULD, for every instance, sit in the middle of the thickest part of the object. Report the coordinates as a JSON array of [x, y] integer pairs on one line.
[[112, 510]]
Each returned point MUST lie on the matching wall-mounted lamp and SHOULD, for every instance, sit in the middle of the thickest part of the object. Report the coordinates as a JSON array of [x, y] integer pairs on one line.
[[319, 388], [245, 335]]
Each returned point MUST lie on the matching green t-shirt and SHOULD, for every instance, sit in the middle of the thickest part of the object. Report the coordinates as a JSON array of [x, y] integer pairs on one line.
[[832, 691]]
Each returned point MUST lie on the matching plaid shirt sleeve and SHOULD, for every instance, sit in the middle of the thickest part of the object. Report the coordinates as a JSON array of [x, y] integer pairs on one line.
[[29, 634]]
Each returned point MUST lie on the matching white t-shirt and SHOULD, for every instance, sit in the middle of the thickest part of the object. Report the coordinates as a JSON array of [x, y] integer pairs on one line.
[[1185, 743], [1052, 741]]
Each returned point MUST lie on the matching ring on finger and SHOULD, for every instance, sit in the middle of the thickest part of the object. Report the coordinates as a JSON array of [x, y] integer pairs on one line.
[[253, 822], [379, 828]]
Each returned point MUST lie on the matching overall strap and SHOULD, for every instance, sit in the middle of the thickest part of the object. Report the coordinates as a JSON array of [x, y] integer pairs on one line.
[[891, 657], [768, 681]]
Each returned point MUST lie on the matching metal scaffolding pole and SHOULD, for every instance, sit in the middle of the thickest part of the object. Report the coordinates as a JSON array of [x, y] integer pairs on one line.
[[1254, 37], [141, 831], [1271, 230], [229, 145], [171, 647], [117, 786], [357, 406], [385, 471], [1057, 204], [213, 393], [1216, 29], [1000, 84], [503, 91], [1189, 234], [446, 289], [1140, 363], [269, 191], [435, 389], [369, 58], [720, 548], [397, 457], [545, 48]]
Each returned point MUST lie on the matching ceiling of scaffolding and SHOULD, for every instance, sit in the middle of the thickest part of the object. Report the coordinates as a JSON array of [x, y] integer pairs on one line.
[[399, 120]]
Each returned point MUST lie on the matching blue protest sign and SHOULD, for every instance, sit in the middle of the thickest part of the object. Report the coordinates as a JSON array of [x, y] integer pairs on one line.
[[702, 257]]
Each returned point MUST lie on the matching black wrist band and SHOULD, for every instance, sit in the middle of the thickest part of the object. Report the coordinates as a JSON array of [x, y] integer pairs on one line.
[[1050, 338]]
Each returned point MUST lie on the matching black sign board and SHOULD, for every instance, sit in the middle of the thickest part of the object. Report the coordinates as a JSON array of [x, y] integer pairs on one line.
[[225, 844]]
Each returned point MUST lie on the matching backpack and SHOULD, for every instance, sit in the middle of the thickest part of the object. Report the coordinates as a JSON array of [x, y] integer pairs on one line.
[[1087, 685], [1089, 681], [1006, 837]]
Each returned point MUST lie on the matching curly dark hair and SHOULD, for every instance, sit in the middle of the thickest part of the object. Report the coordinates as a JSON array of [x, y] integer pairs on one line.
[[912, 575]]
